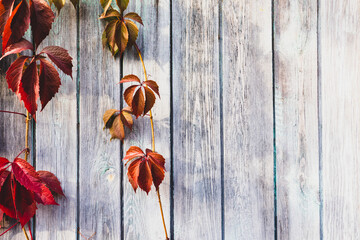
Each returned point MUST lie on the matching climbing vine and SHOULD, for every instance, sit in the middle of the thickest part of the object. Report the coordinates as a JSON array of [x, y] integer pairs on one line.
[[146, 168], [32, 76]]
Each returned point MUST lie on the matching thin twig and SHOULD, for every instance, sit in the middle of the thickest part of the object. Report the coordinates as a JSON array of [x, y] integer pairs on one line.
[[17, 113], [9, 228], [27, 134]]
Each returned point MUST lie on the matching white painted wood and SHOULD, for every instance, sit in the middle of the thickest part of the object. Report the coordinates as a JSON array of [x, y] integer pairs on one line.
[[196, 112], [100, 209], [247, 120], [142, 218], [56, 137], [297, 155], [340, 118]]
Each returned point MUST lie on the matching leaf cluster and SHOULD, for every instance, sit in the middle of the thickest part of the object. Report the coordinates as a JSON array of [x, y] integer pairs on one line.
[[120, 30], [31, 76], [22, 188]]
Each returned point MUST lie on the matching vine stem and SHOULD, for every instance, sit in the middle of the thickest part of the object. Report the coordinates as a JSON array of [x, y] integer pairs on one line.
[[17, 113], [27, 151], [153, 142]]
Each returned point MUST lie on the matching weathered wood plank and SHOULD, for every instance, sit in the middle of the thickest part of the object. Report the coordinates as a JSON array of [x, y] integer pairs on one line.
[[100, 209], [56, 137], [196, 112], [340, 114], [248, 120], [154, 42], [297, 155], [12, 135]]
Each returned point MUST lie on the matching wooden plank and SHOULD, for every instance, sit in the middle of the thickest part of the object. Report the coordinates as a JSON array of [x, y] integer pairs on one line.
[[12, 136], [154, 41], [248, 120], [297, 155], [340, 111], [100, 208], [56, 138], [196, 112]]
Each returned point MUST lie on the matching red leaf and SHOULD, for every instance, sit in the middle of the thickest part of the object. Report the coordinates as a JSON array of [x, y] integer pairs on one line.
[[3, 162], [5, 10], [133, 152], [3, 175], [138, 103], [45, 197], [16, 25], [25, 203], [153, 85], [145, 169], [150, 100], [49, 82], [29, 87], [1, 216], [130, 78], [145, 178], [60, 57], [15, 73], [6, 199], [26, 175], [18, 47], [42, 18], [134, 16], [51, 181], [129, 94], [121, 36]]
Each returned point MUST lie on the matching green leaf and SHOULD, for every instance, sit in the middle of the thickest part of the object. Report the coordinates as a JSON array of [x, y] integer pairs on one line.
[[122, 4], [105, 4], [133, 31]]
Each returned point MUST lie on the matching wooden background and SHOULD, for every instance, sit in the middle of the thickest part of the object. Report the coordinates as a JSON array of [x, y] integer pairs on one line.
[[259, 121]]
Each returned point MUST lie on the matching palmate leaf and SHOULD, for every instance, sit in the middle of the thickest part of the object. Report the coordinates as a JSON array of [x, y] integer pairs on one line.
[[23, 187], [114, 120], [145, 169], [119, 32], [140, 97], [16, 25], [31, 82]]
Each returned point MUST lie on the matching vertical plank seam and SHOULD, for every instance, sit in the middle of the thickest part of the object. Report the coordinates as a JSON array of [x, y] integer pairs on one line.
[[274, 115], [222, 184], [171, 127], [78, 120], [121, 157], [319, 108]]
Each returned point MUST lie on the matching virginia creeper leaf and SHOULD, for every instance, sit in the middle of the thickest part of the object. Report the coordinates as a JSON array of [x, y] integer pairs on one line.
[[145, 169], [45, 197], [49, 81], [129, 94], [16, 25], [130, 78], [111, 15], [134, 16], [59, 4], [51, 181], [115, 120], [6, 200], [3, 162], [122, 4], [150, 100], [132, 30], [60, 57], [110, 30], [42, 18], [105, 4], [138, 103], [5, 11], [25, 204], [29, 87], [121, 36], [153, 85], [15, 73], [18, 47], [26, 175]]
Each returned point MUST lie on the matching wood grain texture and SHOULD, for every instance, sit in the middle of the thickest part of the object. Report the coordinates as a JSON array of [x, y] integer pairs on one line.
[[12, 136], [56, 137], [297, 155], [196, 112], [248, 120], [154, 42], [340, 118], [100, 209]]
